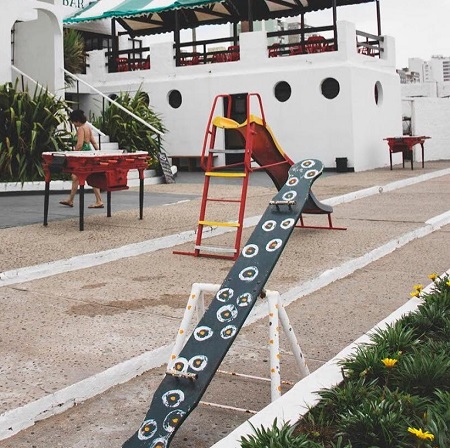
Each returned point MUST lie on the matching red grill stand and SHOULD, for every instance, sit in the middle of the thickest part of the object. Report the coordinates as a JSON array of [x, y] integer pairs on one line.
[[405, 145]]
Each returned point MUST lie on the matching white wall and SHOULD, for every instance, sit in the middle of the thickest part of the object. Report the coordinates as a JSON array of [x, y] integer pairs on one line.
[[38, 48], [428, 89], [307, 125], [431, 117], [18, 10]]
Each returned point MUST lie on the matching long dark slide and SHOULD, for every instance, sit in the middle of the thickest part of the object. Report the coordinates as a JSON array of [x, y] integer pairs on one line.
[[182, 388]]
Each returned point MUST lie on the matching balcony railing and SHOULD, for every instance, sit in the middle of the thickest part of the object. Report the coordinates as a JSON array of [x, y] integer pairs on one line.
[[369, 44], [207, 51], [287, 43], [128, 60]]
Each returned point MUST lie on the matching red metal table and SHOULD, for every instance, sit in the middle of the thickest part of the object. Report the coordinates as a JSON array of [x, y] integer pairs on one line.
[[405, 145], [107, 170]]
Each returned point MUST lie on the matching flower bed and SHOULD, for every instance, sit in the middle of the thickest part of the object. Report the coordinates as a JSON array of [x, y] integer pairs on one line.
[[395, 390]]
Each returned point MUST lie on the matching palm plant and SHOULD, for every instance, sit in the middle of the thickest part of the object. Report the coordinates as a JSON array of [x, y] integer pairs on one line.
[[74, 54], [126, 130], [30, 124]]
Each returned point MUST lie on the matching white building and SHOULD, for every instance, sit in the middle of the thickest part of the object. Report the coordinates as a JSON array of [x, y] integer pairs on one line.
[[327, 105], [437, 69]]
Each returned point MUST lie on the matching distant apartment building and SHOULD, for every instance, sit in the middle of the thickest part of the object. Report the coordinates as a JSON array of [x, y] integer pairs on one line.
[[426, 78], [437, 69]]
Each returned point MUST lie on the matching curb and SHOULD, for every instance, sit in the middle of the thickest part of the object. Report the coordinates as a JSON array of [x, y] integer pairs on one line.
[[63, 185], [297, 401]]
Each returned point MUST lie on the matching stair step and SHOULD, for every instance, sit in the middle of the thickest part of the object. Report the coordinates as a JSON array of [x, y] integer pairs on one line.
[[102, 138], [108, 146]]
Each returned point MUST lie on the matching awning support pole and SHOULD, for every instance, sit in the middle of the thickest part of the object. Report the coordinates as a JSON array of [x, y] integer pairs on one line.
[[334, 25], [114, 46], [378, 17], [176, 35]]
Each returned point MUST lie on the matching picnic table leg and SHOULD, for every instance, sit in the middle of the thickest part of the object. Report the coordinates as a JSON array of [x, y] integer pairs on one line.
[[108, 204], [390, 158], [141, 198], [412, 157], [81, 207], [46, 201], [423, 155]]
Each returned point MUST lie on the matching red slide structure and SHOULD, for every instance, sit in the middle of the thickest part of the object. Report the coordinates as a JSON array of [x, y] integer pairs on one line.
[[259, 150]]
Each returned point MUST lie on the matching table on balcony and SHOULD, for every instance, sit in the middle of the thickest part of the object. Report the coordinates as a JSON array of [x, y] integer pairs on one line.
[[405, 145]]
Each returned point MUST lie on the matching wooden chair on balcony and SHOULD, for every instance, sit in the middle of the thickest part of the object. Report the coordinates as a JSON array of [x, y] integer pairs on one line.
[[366, 50], [219, 57], [316, 44], [274, 50], [122, 64], [233, 53], [296, 49], [196, 59], [190, 58]]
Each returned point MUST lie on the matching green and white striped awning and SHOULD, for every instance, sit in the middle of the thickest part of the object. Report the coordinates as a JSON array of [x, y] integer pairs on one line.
[[140, 17]]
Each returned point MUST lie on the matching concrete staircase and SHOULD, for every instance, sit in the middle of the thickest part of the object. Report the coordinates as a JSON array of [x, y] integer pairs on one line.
[[104, 142]]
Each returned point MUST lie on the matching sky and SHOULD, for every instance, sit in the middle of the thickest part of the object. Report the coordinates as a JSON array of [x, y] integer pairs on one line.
[[421, 28]]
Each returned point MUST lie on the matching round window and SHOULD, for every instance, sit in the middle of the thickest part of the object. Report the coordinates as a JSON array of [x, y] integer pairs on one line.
[[144, 97], [378, 93], [175, 99], [282, 91], [330, 88]]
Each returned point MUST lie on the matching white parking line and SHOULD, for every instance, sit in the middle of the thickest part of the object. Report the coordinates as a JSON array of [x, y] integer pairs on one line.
[[48, 269]]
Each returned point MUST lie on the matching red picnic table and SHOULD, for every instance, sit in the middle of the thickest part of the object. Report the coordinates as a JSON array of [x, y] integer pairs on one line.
[[405, 145]]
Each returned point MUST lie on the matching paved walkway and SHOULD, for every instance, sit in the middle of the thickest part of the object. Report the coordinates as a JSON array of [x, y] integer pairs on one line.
[[88, 322]]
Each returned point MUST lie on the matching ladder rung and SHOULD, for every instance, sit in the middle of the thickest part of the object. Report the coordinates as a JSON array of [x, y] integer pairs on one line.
[[216, 249], [228, 151], [222, 174], [223, 200], [219, 224]]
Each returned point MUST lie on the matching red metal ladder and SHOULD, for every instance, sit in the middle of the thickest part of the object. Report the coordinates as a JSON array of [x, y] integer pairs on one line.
[[225, 172]]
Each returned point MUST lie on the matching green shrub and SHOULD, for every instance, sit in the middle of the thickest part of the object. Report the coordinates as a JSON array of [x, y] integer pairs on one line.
[[395, 391], [29, 126], [126, 130], [74, 54]]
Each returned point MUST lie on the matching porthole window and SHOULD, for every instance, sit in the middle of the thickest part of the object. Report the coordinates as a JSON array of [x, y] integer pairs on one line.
[[330, 88], [282, 91], [378, 93], [144, 97], [175, 99]]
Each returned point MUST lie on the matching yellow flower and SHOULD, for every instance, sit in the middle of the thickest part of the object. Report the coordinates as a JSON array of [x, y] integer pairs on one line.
[[414, 293], [418, 287], [424, 435], [447, 283], [389, 362], [433, 276]]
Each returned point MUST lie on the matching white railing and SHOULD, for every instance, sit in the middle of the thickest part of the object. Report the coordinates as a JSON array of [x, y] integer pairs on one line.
[[115, 103], [29, 78]]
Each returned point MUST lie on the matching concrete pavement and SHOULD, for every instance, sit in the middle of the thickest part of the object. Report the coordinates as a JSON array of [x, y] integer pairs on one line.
[[67, 335]]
